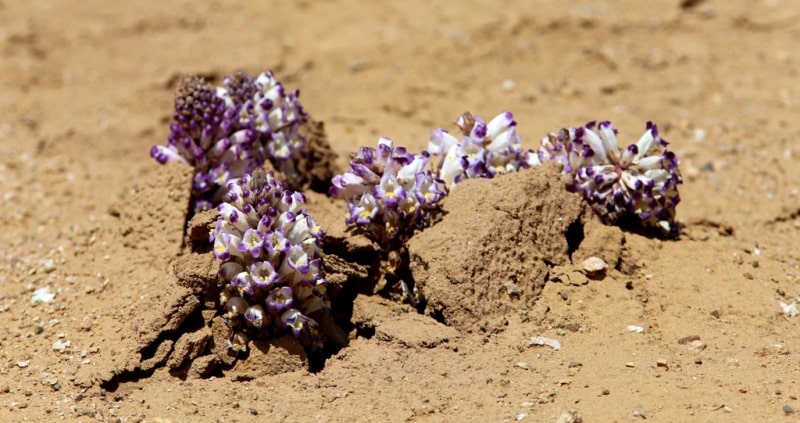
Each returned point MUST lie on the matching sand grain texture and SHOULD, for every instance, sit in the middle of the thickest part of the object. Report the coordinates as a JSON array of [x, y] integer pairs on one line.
[[87, 89]]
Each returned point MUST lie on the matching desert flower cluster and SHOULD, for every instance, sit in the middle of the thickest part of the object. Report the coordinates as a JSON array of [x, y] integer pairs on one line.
[[268, 247], [229, 131], [270, 254]]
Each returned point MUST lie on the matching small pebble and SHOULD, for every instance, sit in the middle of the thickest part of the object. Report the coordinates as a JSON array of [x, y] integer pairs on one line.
[[523, 365], [594, 265], [509, 85], [661, 362], [23, 364], [787, 409], [637, 413], [605, 392], [698, 360], [697, 345], [688, 339], [253, 411], [42, 295], [60, 345], [635, 329], [541, 340], [790, 309], [630, 364], [573, 364], [48, 265]]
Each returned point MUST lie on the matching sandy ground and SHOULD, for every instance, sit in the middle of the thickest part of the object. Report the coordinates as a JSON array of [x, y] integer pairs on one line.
[[87, 88]]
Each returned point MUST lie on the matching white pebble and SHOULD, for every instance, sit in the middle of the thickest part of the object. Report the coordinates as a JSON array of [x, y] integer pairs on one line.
[[509, 85], [48, 265], [593, 265], [637, 329], [541, 340], [23, 364], [43, 295], [790, 309], [60, 345]]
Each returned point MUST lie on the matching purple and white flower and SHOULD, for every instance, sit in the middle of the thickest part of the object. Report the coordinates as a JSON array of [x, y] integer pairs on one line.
[[485, 150], [390, 192], [227, 131], [638, 182], [271, 260]]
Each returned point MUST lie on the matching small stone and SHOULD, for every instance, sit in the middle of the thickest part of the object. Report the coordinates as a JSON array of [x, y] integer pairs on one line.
[[86, 323], [523, 365], [640, 414], [61, 346], [573, 364], [698, 360], [715, 313], [688, 339], [23, 364], [571, 416], [48, 265], [509, 85], [593, 265], [630, 364], [662, 362], [605, 392], [512, 289], [697, 345], [253, 411], [787, 409], [43, 295]]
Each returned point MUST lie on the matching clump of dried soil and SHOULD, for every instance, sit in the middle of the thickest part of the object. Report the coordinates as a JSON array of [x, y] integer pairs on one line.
[[492, 251]]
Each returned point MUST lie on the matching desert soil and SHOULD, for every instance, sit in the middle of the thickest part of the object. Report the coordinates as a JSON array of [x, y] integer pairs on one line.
[[87, 88]]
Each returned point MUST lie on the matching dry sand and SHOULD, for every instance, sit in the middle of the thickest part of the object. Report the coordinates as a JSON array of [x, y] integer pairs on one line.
[[87, 89]]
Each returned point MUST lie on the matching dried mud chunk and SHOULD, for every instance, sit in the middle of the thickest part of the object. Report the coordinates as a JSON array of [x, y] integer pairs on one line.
[[202, 367], [197, 272], [159, 357], [220, 333], [200, 227], [508, 229], [338, 271], [414, 330], [321, 158], [188, 347], [269, 358], [638, 250], [371, 311], [602, 241], [179, 304], [153, 212]]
